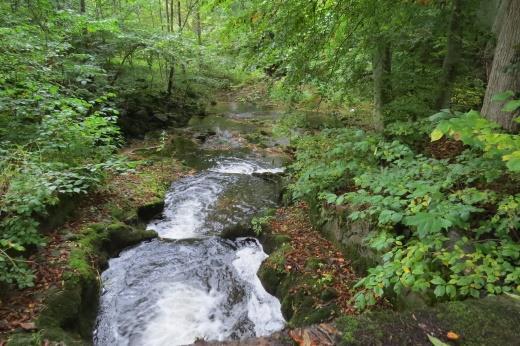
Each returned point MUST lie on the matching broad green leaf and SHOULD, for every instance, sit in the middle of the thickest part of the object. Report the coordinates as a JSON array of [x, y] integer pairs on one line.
[[436, 135], [503, 96], [427, 223], [436, 342], [511, 106]]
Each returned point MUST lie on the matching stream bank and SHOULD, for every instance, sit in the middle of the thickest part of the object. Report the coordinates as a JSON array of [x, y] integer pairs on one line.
[[87, 232]]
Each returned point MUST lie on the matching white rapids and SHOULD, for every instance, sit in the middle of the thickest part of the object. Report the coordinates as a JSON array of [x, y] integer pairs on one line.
[[191, 284]]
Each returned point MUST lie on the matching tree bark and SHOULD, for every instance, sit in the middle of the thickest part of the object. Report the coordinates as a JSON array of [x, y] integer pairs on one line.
[[198, 26], [382, 62], [171, 15], [505, 72], [170, 80], [489, 51], [454, 46], [179, 16], [168, 18]]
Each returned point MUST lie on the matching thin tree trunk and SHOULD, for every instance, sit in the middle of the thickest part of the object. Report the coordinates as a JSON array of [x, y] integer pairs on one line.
[[449, 66], [171, 15], [168, 18], [503, 76], [170, 80], [161, 20], [381, 73], [198, 26], [179, 17]]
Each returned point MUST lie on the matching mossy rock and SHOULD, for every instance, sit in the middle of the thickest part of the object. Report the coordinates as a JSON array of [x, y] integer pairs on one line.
[[69, 314], [488, 321], [271, 242], [303, 310], [148, 212], [271, 278], [121, 235]]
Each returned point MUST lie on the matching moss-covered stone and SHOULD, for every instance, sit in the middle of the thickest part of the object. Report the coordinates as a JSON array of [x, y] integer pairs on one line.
[[488, 321], [70, 312], [271, 242], [25, 339], [151, 210], [304, 299]]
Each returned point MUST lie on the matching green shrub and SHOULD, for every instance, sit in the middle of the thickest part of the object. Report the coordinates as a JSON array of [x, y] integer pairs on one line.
[[445, 228]]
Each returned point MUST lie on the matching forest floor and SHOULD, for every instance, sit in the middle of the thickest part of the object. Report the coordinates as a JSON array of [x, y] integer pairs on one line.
[[146, 184], [314, 256]]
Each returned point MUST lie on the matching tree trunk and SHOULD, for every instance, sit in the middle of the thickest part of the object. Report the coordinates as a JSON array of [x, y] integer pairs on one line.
[[454, 46], [179, 17], [382, 65], [489, 51], [198, 26], [171, 15], [168, 19], [504, 75], [82, 6], [170, 80]]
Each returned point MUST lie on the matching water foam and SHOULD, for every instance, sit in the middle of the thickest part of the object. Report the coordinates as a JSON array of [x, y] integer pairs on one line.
[[263, 309], [184, 314], [239, 166]]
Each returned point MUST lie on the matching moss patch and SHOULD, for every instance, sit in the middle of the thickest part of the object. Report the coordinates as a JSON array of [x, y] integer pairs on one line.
[[488, 321]]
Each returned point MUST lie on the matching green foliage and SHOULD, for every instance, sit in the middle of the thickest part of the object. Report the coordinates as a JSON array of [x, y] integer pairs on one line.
[[477, 132], [58, 132], [259, 222], [444, 227]]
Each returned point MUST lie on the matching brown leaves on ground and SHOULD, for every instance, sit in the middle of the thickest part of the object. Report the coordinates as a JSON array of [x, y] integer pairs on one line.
[[19, 308], [445, 148], [316, 335], [333, 271]]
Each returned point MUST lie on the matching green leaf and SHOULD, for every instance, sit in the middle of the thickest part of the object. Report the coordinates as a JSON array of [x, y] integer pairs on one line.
[[436, 135], [439, 291], [513, 161], [503, 96], [427, 223], [435, 341], [511, 106]]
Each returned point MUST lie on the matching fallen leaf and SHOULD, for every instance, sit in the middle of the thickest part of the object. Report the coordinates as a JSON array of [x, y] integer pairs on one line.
[[452, 336], [28, 326]]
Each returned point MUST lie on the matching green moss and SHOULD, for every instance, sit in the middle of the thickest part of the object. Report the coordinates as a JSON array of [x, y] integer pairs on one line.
[[313, 263], [488, 321], [70, 312], [25, 339], [349, 326]]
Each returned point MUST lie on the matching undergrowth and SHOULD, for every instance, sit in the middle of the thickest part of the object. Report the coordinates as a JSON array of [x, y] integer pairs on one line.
[[445, 228]]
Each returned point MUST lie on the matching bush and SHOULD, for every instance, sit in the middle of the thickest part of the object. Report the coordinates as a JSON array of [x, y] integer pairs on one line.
[[446, 228]]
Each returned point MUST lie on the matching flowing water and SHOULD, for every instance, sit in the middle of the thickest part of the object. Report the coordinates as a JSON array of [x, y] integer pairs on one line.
[[191, 283]]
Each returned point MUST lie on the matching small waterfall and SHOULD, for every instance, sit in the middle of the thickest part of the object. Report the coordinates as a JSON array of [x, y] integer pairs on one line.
[[191, 284]]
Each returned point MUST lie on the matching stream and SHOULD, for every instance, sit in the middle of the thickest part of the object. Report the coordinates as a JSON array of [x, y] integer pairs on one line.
[[191, 283]]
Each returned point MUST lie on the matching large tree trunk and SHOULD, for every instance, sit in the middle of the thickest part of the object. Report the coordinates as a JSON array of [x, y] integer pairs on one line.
[[503, 76], [500, 8], [382, 64], [454, 46]]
